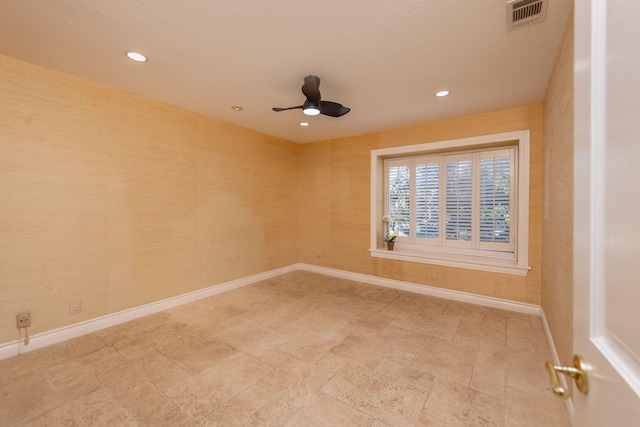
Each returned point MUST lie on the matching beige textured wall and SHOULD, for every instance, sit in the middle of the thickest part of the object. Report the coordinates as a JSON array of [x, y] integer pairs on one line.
[[557, 251], [117, 201], [334, 204]]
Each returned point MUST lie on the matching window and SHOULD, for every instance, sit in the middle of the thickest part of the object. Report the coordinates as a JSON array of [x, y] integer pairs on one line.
[[461, 203], [467, 207]]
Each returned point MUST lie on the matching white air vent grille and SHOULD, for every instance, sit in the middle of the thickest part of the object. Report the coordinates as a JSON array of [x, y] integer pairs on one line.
[[524, 11]]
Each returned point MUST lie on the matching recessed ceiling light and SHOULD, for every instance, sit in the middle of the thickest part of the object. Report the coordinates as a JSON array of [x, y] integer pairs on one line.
[[136, 56], [442, 93], [304, 124], [237, 108]]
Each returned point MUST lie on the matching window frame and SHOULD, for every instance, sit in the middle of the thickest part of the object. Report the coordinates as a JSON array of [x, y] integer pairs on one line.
[[516, 263]]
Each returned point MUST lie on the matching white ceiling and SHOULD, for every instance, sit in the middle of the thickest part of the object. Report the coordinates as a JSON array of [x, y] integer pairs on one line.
[[384, 59]]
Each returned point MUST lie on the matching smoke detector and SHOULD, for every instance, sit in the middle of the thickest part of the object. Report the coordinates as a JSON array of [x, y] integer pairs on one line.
[[520, 12]]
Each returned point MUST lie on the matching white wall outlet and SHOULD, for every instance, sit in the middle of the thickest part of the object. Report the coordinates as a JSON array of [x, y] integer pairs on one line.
[[75, 307], [434, 276]]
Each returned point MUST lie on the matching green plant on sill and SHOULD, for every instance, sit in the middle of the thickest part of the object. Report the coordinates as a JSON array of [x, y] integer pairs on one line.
[[390, 239]]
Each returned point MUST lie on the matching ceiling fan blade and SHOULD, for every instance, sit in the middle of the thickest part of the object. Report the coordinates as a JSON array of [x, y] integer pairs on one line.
[[283, 109], [311, 90], [333, 109]]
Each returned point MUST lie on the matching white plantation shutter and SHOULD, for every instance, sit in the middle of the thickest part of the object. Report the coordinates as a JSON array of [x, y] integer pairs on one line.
[[496, 172], [458, 201], [428, 201], [399, 199]]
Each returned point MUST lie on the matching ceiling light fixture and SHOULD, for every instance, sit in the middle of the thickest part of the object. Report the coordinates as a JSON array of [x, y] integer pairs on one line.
[[442, 93], [237, 108], [136, 56], [311, 110], [304, 124]]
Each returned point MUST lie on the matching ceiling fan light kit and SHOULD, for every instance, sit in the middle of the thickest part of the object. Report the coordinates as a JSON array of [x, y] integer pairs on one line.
[[314, 105], [311, 111]]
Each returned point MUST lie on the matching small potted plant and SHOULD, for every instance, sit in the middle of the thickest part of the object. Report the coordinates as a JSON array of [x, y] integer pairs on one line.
[[389, 224], [390, 241]]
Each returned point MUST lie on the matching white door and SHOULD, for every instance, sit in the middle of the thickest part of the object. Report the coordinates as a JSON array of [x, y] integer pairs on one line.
[[607, 210]]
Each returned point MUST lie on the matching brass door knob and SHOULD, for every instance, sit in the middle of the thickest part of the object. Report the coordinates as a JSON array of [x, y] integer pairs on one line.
[[578, 372]]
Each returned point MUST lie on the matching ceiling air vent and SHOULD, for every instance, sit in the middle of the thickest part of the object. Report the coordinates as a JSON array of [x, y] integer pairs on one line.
[[520, 12]]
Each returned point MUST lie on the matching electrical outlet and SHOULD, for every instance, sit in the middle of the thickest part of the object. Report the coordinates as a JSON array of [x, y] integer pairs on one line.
[[434, 276], [23, 319], [75, 307]]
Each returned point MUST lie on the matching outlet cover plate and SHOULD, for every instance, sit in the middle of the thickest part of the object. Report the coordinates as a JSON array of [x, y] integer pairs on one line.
[[23, 319]]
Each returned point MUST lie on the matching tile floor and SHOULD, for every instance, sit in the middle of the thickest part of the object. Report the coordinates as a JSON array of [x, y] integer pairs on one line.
[[299, 350]]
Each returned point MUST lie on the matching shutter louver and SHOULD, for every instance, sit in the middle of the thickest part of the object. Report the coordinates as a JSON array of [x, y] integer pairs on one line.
[[428, 200], [399, 200], [495, 199], [458, 202]]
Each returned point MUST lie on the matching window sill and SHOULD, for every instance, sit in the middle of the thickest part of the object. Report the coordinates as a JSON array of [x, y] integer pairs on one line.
[[494, 265]]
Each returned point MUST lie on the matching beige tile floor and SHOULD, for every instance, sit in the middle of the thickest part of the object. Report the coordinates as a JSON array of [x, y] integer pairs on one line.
[[299, 350]]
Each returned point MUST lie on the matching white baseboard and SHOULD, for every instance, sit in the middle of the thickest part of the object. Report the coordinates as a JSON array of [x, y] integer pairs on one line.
[[55, 336], [65, 333], [425, 290], [568, 404]]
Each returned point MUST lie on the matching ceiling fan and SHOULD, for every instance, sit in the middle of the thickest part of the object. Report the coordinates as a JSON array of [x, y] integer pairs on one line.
[[313, 105]]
